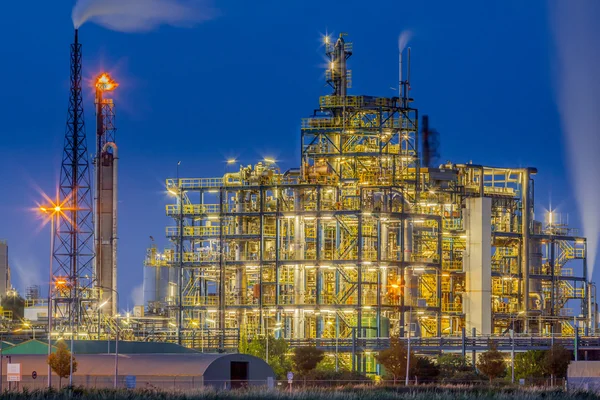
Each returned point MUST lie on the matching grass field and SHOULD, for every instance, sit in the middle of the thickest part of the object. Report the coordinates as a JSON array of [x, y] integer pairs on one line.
[[357, 393]]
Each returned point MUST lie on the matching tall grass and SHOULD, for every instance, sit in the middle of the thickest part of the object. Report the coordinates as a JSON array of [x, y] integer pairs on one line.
[[356, 393]]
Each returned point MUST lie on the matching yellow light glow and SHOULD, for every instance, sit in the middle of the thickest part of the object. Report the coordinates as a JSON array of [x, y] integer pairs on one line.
[[57, 209], [60, 282], [105, 83], [231, 161], [270, 160]]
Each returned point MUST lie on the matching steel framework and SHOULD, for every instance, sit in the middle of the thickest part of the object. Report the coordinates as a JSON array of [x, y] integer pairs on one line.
[[362, 242], [73, 273]]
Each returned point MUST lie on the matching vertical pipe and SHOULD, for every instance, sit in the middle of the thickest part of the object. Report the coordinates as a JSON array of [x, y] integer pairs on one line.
[[222, 197], [50, 281], [277, 249], [408, 70], [180, 269], [359, 265], [525, 215], [115, 383], [401, 88]]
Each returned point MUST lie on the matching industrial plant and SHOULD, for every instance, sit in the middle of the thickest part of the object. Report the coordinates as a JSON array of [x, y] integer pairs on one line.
[[367, 239]]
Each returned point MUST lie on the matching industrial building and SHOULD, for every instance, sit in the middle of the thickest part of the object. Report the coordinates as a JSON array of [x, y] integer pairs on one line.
[[150, 371], [366, 238], [5, 285]]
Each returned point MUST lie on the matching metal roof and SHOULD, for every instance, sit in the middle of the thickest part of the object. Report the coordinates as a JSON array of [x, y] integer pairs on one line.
[[27, 347], [100, 347]]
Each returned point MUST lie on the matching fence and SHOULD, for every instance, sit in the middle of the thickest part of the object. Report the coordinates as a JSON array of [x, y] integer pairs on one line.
[[163, 383]]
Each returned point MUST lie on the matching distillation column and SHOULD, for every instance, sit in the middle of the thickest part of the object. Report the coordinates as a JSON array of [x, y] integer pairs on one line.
[[299, 270], [478, 265], [105, 218]]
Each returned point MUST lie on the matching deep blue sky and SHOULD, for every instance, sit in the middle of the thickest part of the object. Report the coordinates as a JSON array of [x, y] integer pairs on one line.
[[238, 86]]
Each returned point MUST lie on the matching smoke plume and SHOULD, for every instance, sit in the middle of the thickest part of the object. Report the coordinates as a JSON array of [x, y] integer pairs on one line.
[[141, 15], [577, 81], [25, 271], [403, 39]]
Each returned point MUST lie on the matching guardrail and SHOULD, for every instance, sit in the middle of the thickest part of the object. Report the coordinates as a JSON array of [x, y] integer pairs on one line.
[[431, 344]]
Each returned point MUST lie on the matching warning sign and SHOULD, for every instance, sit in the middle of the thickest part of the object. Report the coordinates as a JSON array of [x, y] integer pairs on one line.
[[13, 372]]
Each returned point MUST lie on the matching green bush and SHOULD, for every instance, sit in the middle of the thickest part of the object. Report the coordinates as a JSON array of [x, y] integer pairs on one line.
[[318, 377], [454, 368]]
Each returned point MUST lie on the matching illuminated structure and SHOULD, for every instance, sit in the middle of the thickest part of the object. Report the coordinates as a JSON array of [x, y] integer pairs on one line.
[[364, 238], [105, 215], [73, 273], [4, 269]]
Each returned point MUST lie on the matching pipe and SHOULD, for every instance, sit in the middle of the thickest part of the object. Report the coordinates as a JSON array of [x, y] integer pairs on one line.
[[407, 72], [538, 297], [114, 219], [591, 297], [525, 244], [400, 83], [228, 179]]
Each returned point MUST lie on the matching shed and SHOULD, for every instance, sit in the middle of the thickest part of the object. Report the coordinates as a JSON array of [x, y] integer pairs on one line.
[[165, 371], [584, 375]]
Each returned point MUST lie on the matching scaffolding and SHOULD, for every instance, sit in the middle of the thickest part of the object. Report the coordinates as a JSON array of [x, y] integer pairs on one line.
[[364, 242]]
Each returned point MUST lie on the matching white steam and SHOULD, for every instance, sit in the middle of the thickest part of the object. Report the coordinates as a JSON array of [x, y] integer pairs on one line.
[[141, 15], [576, 33], [403, 39], [137, 295], [26, 271]]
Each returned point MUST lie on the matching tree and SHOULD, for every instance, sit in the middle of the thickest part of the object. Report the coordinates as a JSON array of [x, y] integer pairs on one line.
[[530, 364], [305, 359], [328, 364], [243, 342], [393, 359], [557, 361], [491, 363], [278, 349], [424, 369], [60, 362]]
